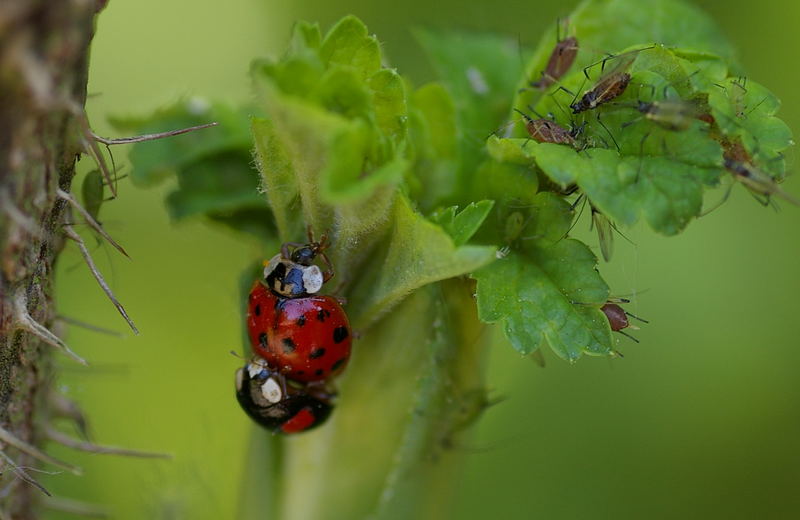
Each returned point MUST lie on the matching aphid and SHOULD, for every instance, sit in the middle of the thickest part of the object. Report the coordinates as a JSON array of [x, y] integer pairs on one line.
[[279, 405], [605, 232], [740, 164], [672, 114], [618, 317], [604, 226], [560, 61], [610, 85], [546, 131]]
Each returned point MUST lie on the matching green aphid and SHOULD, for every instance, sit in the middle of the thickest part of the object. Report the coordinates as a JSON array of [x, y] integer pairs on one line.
[[93, 192], [673, 114]]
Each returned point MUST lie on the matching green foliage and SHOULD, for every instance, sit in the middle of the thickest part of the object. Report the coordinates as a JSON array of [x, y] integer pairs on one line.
[[415, 198], [212, 166]]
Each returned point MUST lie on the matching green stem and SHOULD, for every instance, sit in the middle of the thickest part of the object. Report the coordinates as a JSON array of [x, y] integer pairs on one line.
[[414, 385]]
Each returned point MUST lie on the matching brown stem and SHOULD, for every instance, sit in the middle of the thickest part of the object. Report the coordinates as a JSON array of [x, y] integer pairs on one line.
[[43, 73]]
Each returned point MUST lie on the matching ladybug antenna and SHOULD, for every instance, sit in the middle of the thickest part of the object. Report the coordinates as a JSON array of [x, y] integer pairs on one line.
[[236, 355]]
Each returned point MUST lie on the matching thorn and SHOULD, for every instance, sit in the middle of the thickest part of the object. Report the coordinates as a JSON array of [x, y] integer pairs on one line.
[[76, 507], [150, 137], [25, 322], [75, 444], [89, 326], [97, 276], [19, 218], [23, 475], [62, 406], [90, 145], [33, 451], [90, 220]]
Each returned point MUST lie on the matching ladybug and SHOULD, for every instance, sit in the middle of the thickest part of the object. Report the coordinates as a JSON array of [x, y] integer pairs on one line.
[[618, 317], [305, 337], [280, 405]]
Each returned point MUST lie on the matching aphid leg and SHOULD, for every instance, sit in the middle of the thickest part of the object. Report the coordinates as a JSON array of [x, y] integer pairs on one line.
[[720, 203], [628, 335], [568, 91], [641, 155], [632, 122], [637, 317], [607, 131]]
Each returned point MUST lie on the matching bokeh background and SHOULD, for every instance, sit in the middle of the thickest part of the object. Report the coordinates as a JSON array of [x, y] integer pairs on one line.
[[700, 420]]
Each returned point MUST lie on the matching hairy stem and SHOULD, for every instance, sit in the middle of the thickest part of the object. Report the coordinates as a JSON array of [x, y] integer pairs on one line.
[[43, 73]]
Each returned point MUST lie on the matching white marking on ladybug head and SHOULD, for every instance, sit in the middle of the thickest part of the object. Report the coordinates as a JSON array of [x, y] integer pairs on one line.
[[255, 367], [273, 262], [239, 379], [271, 391], [312, 279]]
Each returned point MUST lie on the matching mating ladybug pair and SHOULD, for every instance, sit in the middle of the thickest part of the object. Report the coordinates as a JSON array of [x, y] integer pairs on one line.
[[301, 341]]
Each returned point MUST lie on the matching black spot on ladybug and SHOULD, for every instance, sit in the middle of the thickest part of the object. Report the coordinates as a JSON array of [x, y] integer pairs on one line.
[[301, 321], [340, 334], [288, 345], [257, 310], [318, 372], [337, 364], [301, 372], [262, 339], [316, 353], [321, 315]]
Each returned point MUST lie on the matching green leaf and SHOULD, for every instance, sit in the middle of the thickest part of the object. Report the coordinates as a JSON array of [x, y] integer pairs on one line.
[[212, 165], [462, 225], [480, 72], [280, 185], [348, 43], [548, 293], [154, 161], [305, 37], [418, 253], [666, 192], [746, 110], [389, 103], [432, 131]]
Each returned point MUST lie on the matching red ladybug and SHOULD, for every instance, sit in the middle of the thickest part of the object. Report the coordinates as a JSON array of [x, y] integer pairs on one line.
[[305, 337], [278, 405]]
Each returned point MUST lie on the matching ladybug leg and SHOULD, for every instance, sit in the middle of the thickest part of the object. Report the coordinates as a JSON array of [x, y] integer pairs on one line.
[[285, 249], [320, 390], [327, 275]]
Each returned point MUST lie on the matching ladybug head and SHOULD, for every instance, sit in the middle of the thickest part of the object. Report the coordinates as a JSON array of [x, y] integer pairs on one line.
[[291, 279], [264, 395], [305, 255]]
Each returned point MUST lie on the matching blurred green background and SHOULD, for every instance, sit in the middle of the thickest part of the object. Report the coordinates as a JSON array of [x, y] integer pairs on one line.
[[700, 420]]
